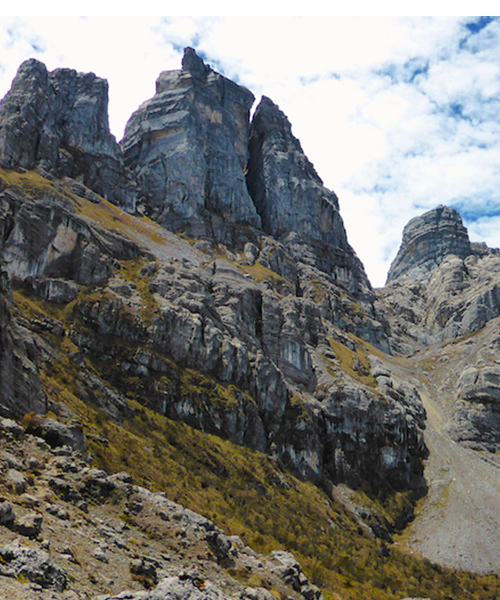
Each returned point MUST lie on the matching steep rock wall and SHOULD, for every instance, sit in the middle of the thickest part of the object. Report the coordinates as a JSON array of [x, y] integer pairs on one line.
[[20, 387], [293, 203], [187, 147]]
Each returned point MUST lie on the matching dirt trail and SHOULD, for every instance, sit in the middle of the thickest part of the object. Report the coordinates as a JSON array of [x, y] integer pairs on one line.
[[458, 523]]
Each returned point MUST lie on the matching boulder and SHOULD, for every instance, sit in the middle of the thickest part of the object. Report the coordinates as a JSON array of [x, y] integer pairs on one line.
[[58, 434], [32, 564], [30, 524], [16, 480], [7, 514]]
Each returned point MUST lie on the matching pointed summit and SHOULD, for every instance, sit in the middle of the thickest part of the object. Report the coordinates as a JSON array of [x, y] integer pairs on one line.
[[194, 64], [294, 205], [188, 148]]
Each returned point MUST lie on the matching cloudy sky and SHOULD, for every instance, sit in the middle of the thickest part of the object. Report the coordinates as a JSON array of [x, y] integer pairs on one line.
[[398, 115]]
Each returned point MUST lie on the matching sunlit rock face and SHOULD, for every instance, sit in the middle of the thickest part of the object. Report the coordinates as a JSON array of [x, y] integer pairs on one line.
[[57, 122], [188, 149], [440, 285]]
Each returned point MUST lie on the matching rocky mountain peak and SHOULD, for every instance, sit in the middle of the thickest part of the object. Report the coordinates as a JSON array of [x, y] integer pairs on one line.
[[57, 122], [427, 241], [188, 147], [292, 201], [194, 64]]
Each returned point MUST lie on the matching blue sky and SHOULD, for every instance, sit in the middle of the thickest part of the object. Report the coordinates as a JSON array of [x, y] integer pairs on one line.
[[398, 115]]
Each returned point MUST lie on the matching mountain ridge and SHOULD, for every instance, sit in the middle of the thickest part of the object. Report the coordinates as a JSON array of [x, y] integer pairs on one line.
[[217, 287]]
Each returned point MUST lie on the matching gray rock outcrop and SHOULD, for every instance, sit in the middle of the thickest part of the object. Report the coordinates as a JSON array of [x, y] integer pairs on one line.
[[32, 564], [443, 289], [44, 236], [470, 387], [187, 147], [20, 387], [427, 241], [440, 286], [58, 122]]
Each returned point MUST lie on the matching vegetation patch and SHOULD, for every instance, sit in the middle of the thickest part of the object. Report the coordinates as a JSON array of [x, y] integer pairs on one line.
[[353, 362]]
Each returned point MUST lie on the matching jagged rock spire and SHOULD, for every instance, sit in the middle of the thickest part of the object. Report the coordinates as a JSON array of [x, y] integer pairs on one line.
[[58, 122], [291, 199], [188, 147]]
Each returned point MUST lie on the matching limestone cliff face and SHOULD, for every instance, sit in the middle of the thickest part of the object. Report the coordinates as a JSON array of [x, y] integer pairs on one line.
[[20, 387], [58, 122], [427, 241], [188, 149], [257, 330]]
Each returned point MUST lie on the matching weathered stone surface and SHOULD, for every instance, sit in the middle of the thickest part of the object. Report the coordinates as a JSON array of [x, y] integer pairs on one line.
[[56, 434], [460, 296], [145, 569], [188, 586], [12, 427], [291, 572], [45, 241], [11, 461], [58, 122], [55, 290], [16, 481], [293, 203], [20, 388], [187, 147], [7, 514], [473, 391], [30, 524], [427, 241], [34, 565], [441, 288]]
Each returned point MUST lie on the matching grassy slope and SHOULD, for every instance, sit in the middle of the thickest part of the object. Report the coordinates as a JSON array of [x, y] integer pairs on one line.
[[246, 493]]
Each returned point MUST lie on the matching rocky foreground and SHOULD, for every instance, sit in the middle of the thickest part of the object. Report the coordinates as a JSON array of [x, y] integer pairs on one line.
[[71, 527]]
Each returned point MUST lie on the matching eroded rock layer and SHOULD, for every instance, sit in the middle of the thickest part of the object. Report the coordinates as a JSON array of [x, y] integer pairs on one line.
[[427, 240]]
